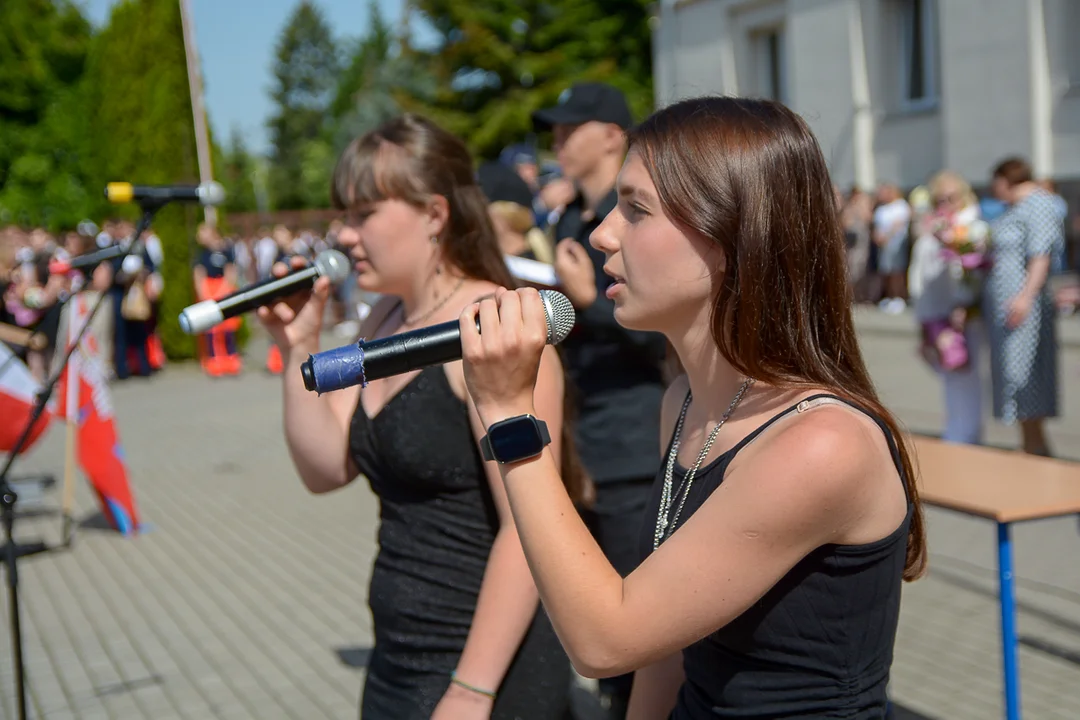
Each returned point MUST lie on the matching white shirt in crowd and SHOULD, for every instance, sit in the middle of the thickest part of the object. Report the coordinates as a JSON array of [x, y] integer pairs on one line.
[[892, 219], [266, 252]]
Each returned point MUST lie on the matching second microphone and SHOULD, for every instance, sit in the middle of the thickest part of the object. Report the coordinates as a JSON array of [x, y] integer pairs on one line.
[[200, 317], [363, 362]]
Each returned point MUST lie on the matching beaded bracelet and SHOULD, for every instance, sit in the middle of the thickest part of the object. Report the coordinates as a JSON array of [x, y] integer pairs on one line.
[[473, 688]]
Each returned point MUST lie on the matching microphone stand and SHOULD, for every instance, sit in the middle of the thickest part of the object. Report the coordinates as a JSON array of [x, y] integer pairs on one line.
[[8, 497]]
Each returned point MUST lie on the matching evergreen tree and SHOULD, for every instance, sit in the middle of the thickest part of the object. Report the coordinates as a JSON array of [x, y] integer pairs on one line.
[[498, 61], [140, 125], [237, 175], [383, 72], [43, 46], [305, 76]]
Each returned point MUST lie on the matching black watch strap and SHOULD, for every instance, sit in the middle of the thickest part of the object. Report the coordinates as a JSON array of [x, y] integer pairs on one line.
[[485, 449], [488, 454]]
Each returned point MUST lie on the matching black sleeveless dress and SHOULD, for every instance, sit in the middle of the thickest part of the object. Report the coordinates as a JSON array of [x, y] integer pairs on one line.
[[818, 645], [437, 525]]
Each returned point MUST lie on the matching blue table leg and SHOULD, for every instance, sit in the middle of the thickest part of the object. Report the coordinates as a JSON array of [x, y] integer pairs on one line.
[[1008, 623]]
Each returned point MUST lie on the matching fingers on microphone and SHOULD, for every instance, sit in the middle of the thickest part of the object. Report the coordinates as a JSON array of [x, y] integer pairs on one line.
[[489, 327], [509, 317], [284, 313], [533, 317], [471, 345]]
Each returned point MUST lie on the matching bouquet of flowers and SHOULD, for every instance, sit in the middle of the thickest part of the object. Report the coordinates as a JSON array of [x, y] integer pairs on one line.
[[965, 247]]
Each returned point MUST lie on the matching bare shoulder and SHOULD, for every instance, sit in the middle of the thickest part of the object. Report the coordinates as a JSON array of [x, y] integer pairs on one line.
[[378, 315], [828, 460], [475, 291]]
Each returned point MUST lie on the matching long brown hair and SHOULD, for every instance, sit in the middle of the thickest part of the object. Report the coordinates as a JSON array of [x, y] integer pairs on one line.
[[410, 158], [750, 175]]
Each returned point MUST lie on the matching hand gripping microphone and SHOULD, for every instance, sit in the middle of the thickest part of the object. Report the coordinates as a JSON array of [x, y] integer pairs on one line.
[[200, 317], [363, 362]]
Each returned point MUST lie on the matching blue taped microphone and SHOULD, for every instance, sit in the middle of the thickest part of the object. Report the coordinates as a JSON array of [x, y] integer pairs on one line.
[[363, 362]]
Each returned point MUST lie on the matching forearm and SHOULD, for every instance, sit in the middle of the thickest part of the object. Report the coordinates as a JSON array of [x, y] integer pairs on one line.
[[580, 589], [504, 611], [656, 689], [1038, 270], [317, 443]]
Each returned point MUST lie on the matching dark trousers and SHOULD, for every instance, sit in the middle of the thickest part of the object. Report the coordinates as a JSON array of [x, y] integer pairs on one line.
[[616, 522], [127, 333]]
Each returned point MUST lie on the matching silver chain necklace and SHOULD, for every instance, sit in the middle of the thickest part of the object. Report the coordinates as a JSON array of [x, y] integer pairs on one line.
[[667, 497], [432, 311]]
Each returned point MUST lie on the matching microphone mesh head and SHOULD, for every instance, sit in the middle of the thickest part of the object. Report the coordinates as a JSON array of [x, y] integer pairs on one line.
[[560, 315], [332, 264], [211, 193]]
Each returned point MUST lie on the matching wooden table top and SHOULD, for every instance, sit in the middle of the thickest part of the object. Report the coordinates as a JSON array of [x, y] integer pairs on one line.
[[1002, 485]]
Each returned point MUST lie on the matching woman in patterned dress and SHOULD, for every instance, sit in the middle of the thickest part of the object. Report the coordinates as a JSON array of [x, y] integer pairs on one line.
[[1018, 308]]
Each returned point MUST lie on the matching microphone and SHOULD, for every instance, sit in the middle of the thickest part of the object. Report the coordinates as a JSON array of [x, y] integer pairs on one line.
[[58, 266], [210, 193], [200, 317], [363, 362]]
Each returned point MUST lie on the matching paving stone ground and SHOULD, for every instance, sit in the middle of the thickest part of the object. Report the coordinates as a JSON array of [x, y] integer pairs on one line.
[[246, 600]]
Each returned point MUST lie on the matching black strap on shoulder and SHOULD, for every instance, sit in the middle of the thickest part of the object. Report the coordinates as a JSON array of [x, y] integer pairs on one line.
[[807, 403]]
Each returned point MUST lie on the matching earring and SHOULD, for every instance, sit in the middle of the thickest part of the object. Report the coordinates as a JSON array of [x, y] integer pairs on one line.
[[434, 239]]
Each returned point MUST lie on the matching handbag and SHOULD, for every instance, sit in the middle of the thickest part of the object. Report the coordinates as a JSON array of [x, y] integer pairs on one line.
[[135, 305]]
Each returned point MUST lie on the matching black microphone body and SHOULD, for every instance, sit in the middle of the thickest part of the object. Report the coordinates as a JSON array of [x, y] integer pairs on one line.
[[360, 363], [91, 259], [200, 317], [210, 193]]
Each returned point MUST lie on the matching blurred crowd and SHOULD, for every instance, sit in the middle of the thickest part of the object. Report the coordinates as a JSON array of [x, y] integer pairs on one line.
[[36, 278], [981, 275]]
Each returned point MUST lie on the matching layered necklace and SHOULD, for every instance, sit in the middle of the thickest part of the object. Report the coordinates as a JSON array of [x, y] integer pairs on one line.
[[665, 522]]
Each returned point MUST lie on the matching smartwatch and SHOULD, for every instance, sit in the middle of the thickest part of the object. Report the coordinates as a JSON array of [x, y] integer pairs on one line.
[[514, 439]]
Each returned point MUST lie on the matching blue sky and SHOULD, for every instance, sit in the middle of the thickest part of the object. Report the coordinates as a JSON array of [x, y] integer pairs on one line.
[[236, 43]]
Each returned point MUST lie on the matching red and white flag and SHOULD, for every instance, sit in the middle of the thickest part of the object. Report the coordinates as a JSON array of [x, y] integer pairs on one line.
[[85, 400], [18, 391]]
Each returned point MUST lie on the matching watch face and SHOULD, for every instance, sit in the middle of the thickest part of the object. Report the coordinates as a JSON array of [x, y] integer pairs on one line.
[[515, 441]]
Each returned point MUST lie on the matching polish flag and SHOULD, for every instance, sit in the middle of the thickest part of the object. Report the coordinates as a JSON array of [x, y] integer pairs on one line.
[[85, 399], [18, 389]]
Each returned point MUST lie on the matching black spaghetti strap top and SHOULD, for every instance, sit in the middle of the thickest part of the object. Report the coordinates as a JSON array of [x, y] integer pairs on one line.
[[819, 644]]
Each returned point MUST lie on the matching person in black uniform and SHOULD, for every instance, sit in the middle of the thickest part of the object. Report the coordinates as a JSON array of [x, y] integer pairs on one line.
[[617, 372], [459, 632], [786, 515]]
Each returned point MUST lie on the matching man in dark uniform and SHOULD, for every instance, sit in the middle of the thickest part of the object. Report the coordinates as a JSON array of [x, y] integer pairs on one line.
[[617, 373]]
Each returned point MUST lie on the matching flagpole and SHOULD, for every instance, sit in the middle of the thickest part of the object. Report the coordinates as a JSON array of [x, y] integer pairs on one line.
[[71, 407], [202, 135]]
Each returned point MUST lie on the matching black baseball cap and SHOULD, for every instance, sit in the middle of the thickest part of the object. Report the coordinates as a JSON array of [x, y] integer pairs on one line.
[[584, 102], [501, 184]]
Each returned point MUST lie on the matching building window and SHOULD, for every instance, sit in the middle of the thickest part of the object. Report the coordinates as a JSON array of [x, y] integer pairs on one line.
[[1068, 41], [768, 49], [918, 44]]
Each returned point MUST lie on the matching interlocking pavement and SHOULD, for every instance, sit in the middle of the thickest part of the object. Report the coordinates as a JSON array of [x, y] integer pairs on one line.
[[246, 599]]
